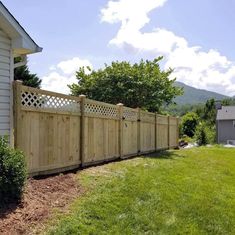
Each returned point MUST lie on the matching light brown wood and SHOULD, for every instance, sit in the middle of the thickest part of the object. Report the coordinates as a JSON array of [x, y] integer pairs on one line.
[[147, 132], [82, 129], [54, 139], [120, 129]]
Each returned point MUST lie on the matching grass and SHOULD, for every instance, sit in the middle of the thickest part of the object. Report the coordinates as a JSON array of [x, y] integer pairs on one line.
[[180, 192]]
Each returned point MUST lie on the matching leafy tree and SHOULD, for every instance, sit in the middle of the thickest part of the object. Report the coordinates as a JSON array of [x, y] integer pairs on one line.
[[142, 84], [22, 73], [189, 123], [209, 114]]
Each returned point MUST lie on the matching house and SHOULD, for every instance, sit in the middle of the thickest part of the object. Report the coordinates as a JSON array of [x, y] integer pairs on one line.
[[14, 42], [225, 125]]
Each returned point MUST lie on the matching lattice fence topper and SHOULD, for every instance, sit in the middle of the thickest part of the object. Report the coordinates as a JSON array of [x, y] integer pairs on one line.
[[130, 114], [147, 117], [101, 110], [46, 101]]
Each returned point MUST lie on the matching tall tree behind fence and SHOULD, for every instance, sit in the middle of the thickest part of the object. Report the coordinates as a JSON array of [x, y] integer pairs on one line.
[[59, 132]]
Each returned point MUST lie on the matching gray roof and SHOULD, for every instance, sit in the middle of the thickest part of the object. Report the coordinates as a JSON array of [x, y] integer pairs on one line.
[[226, 113]]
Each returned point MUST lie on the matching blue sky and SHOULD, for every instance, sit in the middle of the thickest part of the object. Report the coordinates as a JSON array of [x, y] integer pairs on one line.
[[195, 37]]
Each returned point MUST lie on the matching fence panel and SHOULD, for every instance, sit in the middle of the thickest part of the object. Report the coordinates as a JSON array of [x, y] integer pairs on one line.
[[101, 133], [48, 129], [147, 131], [129, 132], [162, 132], [173, 132]]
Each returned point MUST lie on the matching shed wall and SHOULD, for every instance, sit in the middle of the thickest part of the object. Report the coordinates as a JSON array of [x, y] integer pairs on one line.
[[5, 81], [225, 131]]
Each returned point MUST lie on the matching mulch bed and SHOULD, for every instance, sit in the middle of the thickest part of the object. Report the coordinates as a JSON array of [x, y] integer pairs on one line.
[[40, 198]]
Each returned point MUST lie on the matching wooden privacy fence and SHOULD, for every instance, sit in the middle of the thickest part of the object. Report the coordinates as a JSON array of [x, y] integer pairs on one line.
[[59, 132]]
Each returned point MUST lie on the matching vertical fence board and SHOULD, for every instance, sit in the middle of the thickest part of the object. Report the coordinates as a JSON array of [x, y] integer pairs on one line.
[[162, 132], [147, 132]]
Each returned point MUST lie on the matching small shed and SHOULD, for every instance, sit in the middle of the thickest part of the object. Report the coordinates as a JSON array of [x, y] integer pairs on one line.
[[225, 125], [14, 42]]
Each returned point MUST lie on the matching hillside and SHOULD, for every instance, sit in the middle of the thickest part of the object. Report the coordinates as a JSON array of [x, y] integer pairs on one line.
[[194, 96]]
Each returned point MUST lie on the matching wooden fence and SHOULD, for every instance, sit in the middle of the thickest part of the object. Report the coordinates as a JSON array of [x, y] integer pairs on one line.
[[59, 132]]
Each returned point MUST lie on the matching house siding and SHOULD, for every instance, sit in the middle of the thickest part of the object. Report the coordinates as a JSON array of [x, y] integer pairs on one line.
[[225, 131], [5, 81]]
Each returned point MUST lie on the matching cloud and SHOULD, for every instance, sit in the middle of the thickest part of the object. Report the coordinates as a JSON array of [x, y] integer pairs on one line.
[[73, 65], [63, 74], [192, 65]]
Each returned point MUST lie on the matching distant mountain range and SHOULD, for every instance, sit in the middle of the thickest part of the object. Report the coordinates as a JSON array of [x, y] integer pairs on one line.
[[194, 96]]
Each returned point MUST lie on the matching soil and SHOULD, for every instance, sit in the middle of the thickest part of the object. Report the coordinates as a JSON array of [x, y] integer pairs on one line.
[[41, 197]]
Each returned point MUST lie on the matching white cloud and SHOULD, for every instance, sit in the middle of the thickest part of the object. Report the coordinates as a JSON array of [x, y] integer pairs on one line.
[[63, 74], [194, 66], [73, 65]]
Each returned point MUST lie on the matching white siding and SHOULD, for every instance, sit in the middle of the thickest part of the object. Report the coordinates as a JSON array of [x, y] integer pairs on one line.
[[5, 50]]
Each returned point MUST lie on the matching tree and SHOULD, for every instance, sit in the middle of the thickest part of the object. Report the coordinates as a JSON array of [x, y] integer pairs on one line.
[[201, 134], [142, 84], [210, 112], [189, 123], [22, 73]]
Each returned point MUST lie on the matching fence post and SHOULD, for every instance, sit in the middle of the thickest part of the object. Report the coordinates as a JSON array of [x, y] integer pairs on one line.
[[168, 132], [17, 87], [120, 129], [138, 130], [82, 128]]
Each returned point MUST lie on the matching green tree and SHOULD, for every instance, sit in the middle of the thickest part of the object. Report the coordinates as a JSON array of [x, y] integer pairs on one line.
[[142, 84], [189, 123], [209, 114], [29, 79], [228, 101], [201, 134]]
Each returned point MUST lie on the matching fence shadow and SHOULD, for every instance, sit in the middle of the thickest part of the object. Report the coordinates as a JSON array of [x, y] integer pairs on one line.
[[165, 155]]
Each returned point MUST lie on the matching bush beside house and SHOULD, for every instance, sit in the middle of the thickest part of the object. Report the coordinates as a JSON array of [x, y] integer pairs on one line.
[[13, 173]]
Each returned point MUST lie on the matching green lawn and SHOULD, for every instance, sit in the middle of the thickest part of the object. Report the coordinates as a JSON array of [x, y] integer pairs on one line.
[[180, 192]]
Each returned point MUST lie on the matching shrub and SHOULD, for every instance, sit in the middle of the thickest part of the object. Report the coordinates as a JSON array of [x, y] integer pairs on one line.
[[200, 135], [211, 134], [205, 134], [189, 123], [12, 173]]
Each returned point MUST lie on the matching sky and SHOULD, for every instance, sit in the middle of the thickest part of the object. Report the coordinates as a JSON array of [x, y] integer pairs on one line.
[[195, 37]]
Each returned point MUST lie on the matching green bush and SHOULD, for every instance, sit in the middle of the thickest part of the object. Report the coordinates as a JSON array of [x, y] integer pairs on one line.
[[189, 123], [211, 134], [12, 173], [201, 135], [205, 134]]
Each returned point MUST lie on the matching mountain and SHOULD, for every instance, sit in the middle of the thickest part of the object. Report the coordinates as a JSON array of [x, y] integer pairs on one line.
[[194, 96]]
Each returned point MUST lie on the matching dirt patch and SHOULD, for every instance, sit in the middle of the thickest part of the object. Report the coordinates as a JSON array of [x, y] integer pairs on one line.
[[40, 198]]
